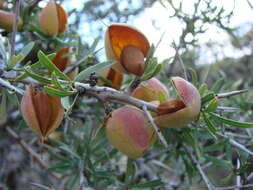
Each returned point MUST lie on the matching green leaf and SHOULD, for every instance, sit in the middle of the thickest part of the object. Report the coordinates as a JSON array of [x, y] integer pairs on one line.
[[157, 70], [218, 162], [35, 76], [65, 102], [14, 60], [216, 146], [57, 92], [232, 122], [161, 96], [131, 168], [105, 80], [50, 66], [3, 104], [207, 98], [150, 69], [27, 49], [24, 52], [210, 126], [188, 137], [60, 167], [149, 184], [95, 68], [151, 53], [55, 82], [70, 152], [217, 86], [94, 45], [106, 156], [193, 76], [202, 89], [212, 106]]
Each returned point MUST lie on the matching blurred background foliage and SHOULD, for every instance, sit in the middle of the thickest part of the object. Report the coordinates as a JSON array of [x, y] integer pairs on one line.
[[83, 155]]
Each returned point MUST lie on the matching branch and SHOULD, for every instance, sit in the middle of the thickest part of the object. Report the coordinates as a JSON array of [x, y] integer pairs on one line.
[[28, 149], [180, 60], [236, 144], [33, 5], [8, 85], [238, 177], [15, 27], [105, 93], [232, 93], [234, 187], [76, 64], [201, 171], [158, 131], [43, 187]]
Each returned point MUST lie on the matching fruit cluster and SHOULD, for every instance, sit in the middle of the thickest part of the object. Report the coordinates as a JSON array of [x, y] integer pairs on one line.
[[127, 128]]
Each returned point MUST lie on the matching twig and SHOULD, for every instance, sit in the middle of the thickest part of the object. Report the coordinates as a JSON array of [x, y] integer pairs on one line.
[[43, 187], [234, 187], [228, 109], [162, 165], [236, 144], [8, 85], [101, 93], [237, 135], [240, 146], [74, 65], [15, 27], [238, 177], [28, 149], [33, 5], [201, 171], [249, 3], [107, 93], [232, 93], [207, 165], [158, 131], [180, 60], [81, 180]]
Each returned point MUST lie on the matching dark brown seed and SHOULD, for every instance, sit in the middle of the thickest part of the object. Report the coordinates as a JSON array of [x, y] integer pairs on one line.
[[132, 59]]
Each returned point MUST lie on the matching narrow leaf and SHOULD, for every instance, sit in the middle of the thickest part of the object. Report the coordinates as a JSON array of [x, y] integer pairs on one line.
[[55, 82], [232, 122], [50, 66], [217, 86], [130, 171], [218, 162], [56, 92], [36, 76], [95, 68], [212, 106], [26, 50], [210, 126], [216, 146], [3, 104], [193, 76], [149, 184], [207, 98]]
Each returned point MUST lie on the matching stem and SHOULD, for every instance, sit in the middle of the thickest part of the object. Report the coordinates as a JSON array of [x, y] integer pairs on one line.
[[232, 93], [238, 177], [234, 187], [43, 187], [236, 144], [28, 149], [180, 60], [158, 131], [201, 171], [106, 93], [8, 85], [14, 28]]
